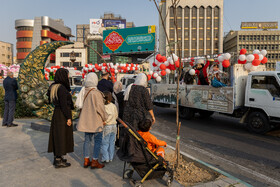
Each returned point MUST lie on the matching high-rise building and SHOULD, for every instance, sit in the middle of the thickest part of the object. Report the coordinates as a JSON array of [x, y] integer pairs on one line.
[[34, 32], [200, 27], [6, 53], [262, 38]]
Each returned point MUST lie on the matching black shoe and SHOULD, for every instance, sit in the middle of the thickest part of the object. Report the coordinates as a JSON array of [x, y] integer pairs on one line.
[[3, 125], [63, 160], [58, 163], [12, 125]]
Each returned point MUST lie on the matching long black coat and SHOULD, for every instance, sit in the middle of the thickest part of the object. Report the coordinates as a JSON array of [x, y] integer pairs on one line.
[[10, 86], [61, 139]]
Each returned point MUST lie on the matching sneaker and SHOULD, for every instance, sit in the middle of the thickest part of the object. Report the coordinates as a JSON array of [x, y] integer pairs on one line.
[[111, 160], [105, 161]]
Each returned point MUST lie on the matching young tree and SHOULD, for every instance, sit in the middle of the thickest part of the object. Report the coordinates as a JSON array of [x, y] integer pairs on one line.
[[171, 51]]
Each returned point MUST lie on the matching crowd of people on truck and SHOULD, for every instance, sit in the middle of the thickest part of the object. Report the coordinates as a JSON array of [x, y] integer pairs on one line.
[[205, 74], [101, 104]]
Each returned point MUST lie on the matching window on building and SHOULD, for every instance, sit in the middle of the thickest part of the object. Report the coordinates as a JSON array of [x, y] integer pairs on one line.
[[265, 38], [265, 47], [255, 38], [8, 56], [272, 56], [251, 47], [266, 83], [244, 38], [269, 37], [262, 38], [269, 56], [258, 47], [8, 48], [3, 54], [66, 64], [25, 28], [258, 37], [272, 37], [276, 56], [272, 47]]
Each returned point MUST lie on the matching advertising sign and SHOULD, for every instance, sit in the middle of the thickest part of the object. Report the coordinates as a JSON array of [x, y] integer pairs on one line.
[[110, 24], [94, 25], [130, 40], [259, 25]]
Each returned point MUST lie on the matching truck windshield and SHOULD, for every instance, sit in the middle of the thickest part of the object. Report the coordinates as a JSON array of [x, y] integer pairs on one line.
[[78, 81], [278, 75]]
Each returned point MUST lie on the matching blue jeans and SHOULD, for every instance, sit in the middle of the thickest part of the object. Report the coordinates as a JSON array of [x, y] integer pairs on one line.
[[108, 147], [97, 144]]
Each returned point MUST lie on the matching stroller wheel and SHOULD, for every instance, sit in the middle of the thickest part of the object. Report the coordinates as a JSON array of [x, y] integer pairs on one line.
[[128, 174], [138, 184], [168, 182]]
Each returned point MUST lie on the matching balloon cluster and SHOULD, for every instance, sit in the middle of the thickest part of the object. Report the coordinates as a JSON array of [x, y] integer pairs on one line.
[[251, 61], [224, 59], [110, 67], [13, 68], [50, 71], [163, 66]]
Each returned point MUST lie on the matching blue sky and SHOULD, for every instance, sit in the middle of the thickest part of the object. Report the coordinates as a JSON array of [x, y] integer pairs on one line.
[[142, 12]]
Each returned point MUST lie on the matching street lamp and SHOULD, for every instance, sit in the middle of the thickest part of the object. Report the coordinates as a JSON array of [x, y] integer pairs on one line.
[[72, 57]]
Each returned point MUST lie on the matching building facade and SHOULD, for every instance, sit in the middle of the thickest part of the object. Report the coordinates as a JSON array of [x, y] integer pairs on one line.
[[40, 30], [6, 53], [62, 55], [200, 27], [269, 40]]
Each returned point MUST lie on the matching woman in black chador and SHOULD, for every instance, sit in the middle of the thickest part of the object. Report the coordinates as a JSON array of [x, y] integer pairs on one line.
[[61, 132]]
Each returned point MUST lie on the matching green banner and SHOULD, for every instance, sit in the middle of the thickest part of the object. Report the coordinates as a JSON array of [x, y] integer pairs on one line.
[[130, 40]]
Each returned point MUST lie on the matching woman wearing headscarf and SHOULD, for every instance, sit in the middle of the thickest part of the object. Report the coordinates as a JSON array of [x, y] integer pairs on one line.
[[61, 139], [138, 104], [92, 118]]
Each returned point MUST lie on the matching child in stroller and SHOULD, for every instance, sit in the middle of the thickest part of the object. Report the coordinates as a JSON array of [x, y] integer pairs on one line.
[[154, 144], [134, 150]]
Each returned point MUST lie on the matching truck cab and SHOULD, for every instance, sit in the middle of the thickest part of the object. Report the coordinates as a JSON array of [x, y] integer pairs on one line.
[[262, 98]]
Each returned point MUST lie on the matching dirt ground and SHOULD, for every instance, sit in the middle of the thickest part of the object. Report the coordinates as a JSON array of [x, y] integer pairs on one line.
[[188, 173]]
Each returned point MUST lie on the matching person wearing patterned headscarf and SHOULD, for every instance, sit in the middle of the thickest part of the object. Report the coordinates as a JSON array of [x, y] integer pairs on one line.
[[61, 139]]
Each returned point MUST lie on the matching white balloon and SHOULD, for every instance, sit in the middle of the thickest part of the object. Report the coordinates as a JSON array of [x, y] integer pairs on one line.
[[155, 75], [260, 57], [250, 58], [254, 68], [157, 62], [242, 57], [221, 58], [175, 57], [192, 72], [117, 64], [167, 71], [166, 63], [116, 71], [158, 79], [151, 72], [264, 52], [227, 56], [256, 51], [133, 68], [156, 68], [248, 66]]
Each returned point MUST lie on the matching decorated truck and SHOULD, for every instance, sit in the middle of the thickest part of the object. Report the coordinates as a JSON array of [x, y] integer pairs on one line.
[[254, 97]]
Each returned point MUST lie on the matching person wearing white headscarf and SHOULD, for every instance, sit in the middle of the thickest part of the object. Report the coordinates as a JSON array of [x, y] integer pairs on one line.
[[91, 120], [138, 105]]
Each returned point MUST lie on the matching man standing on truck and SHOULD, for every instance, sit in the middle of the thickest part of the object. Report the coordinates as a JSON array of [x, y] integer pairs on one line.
[[201, 72], [104, 84]]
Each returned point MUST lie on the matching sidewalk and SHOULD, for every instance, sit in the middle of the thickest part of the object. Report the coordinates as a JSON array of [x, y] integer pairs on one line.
[[24, 161]]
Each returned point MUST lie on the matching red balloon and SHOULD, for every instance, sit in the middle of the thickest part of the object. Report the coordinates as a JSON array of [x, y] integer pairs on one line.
[[75, 68], [154, 64], [164, 58], [264, 60], [149, 77], [159, 57], [127, 65], [191, 63], [256, 62], [226, 63], [242, 62], [163, 72], [177, 64], [131, 65], [86, 65], [243, 51], [257, 56], [172, 67], [104, 64], [96, 66], [136, 68], [162, 67]]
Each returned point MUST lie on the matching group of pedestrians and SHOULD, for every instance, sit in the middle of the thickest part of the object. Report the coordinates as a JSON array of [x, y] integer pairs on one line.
[[101, 104]]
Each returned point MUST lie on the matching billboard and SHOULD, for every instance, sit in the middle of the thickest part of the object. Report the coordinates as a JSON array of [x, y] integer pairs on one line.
[[94, 26], [259, 25], [130, 40], [110, 24]]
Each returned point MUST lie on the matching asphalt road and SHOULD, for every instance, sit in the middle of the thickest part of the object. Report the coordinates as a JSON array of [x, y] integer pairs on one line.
[[224, 143]]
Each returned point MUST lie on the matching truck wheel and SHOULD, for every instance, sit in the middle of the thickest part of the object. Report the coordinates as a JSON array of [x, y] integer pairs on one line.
[[258, 123], [205, 114], [186, 113]]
